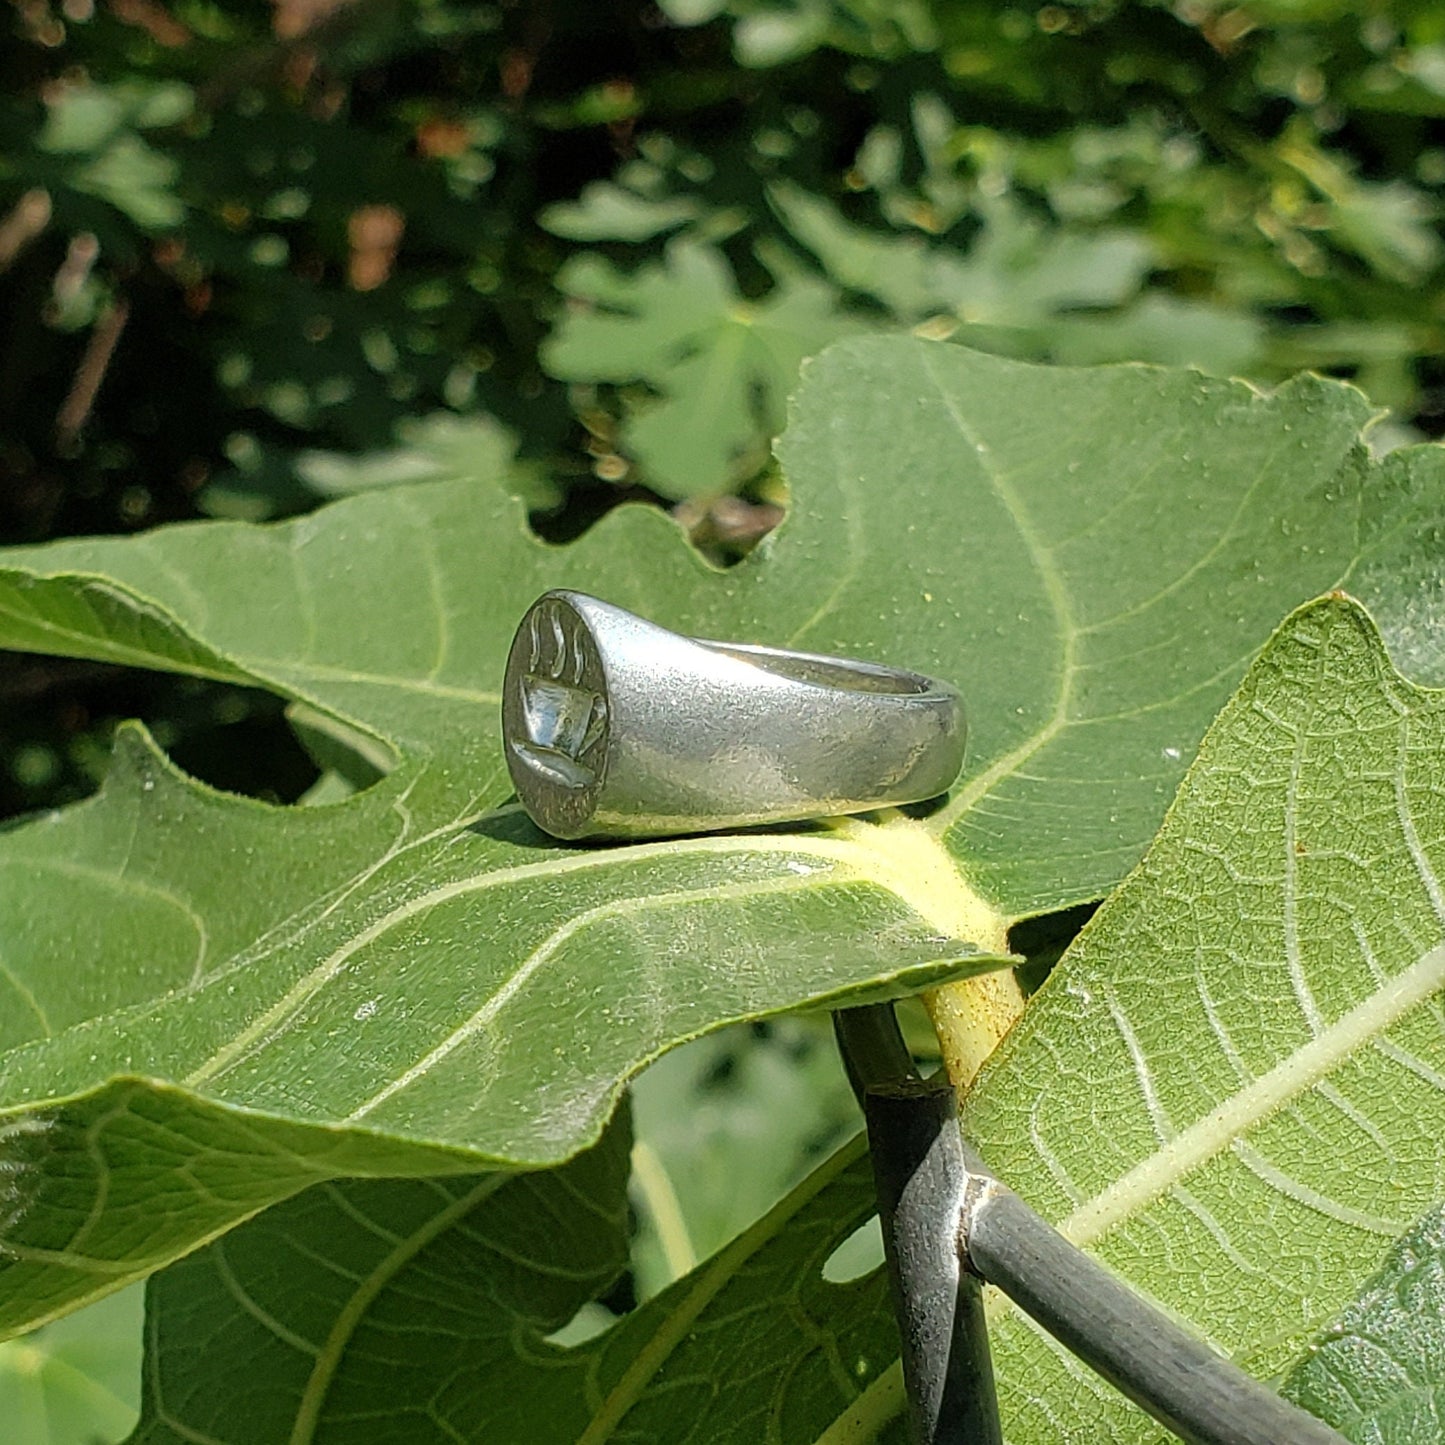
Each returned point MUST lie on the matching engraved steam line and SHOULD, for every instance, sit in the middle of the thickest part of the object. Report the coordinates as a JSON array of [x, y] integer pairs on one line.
[[563, 719]]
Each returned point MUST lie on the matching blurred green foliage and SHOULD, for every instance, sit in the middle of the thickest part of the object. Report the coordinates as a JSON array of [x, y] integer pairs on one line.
[[617, 228], [77, 1381]]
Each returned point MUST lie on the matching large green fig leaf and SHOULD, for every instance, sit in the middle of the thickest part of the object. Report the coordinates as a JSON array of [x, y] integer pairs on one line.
[[1232, 1088], [219, 1003], [1378, 1372], [457, 1285]]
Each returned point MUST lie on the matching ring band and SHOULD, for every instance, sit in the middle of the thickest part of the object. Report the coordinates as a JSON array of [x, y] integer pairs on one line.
[[614, 727]]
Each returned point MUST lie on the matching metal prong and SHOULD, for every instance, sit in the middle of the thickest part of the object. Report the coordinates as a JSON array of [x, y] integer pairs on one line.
[[1176, 1377], [919, 1174]]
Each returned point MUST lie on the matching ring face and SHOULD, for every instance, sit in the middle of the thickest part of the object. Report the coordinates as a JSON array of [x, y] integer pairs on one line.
[[554, 706], [614, 727]]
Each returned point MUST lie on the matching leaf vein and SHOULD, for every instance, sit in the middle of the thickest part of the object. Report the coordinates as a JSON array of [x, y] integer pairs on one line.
[[1228, 1120], [518, 979]]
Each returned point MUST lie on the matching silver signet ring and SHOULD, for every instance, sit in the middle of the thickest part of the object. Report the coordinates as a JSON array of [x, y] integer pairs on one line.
[[614, 727]]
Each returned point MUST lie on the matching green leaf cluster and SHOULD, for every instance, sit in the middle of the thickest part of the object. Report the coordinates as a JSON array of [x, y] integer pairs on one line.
[[339, 1100]]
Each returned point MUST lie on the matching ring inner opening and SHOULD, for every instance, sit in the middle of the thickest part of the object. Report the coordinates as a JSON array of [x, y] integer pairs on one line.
[[827, 672]]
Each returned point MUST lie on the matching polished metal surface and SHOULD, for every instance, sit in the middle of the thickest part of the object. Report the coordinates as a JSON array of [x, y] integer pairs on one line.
[[617, 728]]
